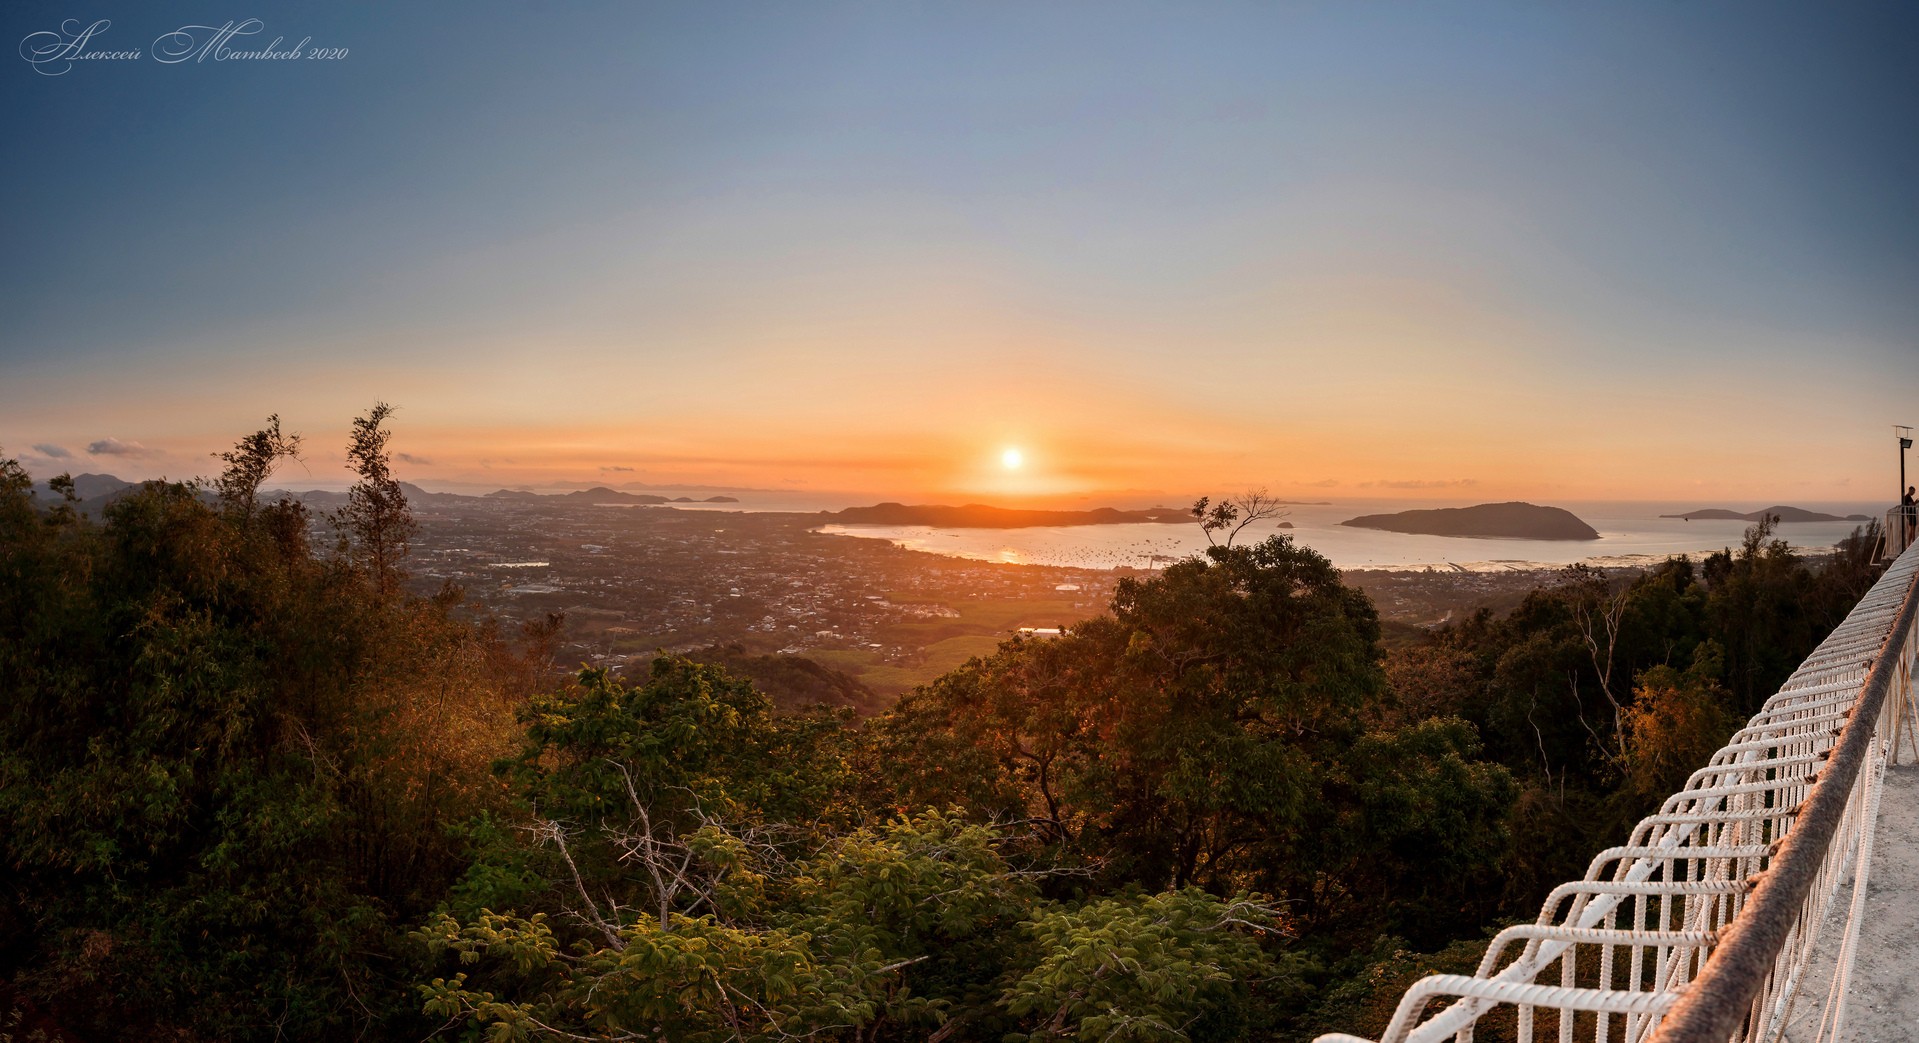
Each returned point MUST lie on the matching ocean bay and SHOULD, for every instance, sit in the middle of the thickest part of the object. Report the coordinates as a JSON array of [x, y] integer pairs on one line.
[[1630, 534]]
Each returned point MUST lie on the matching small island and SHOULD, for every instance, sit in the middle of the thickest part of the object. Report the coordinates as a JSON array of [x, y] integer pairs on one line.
[[1508, 521], [1784, 514], [981, 516]]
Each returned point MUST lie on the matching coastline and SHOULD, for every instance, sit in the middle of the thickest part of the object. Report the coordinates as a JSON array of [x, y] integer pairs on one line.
[[1624, 543]]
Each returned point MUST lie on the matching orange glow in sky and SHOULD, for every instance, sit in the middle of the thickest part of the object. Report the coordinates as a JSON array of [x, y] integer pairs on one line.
[[995, 252]]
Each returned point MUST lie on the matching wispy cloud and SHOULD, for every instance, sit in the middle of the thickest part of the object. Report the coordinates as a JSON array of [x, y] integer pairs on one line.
[[614, 467], [1325, 483], [1420, 483], [58, 452], [116, 447], [411, 459]]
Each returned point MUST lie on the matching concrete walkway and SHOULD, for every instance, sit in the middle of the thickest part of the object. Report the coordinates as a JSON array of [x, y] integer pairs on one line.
[[1883, 1005]]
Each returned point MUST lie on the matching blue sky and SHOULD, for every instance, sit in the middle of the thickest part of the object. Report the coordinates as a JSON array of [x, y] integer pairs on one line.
[[1664, 249]]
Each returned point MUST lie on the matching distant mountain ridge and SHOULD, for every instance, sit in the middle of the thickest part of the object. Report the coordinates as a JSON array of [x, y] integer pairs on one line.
[[88, 487], [981, 516], [589, 497], [1784, 514], [601, 494], [92, 492], [1513, 521], [98, 490]]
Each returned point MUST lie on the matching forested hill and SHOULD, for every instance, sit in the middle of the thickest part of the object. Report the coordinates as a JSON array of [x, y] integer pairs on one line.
[[1523, 521], [251, 789], [1784, 514]]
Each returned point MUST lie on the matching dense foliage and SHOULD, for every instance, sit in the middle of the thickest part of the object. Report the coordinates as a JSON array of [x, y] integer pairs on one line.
[[232, 771], [1601, 695], [251, 788], [1214, 731]]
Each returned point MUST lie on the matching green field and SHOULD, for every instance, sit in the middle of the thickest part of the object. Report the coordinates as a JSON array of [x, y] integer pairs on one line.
[[945, 643], [935, 646]]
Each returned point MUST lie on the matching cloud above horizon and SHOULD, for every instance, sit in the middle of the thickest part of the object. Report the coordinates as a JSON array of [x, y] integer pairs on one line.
[[57, 452], [111, 446], [412, 459]]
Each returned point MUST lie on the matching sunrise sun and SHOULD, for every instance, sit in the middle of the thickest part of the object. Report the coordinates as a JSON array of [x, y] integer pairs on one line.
[[1012, 459]]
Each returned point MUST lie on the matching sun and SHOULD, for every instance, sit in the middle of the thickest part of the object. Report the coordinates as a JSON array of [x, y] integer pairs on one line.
[[1012, 459]]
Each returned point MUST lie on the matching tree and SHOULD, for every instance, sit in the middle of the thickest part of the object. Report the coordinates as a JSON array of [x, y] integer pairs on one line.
[[1161, 968], [250, 463], [1763, 612], [1598, 609], [898, 931], [1233, 515], [1221, 728], [226, 769], [688, 743], [1677, 721], [376, 513], [1180, 740], [1412, 828], [916, 929]]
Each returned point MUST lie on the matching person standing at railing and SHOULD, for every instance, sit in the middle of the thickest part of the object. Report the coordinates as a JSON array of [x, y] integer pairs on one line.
[[1906, 510]]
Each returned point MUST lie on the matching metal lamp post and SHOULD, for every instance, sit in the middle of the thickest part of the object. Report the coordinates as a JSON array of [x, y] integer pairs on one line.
[[1905, 443], [1905, 512]]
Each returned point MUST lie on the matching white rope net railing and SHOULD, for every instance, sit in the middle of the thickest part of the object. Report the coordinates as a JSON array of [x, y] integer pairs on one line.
[[1614, 953]]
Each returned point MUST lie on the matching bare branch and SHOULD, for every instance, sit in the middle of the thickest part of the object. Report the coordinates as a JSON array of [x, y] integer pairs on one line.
[[550, 830], [1233, 514]]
